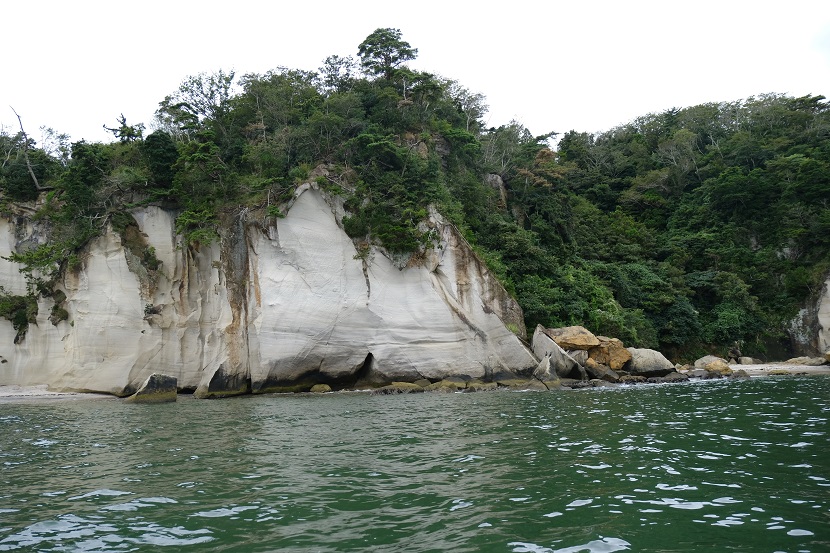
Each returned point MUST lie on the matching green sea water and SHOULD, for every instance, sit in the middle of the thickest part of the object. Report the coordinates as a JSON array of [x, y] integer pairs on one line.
[[709, 466]]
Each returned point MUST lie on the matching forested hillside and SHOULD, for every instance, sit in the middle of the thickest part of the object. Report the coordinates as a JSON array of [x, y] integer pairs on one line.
[[685, 230]]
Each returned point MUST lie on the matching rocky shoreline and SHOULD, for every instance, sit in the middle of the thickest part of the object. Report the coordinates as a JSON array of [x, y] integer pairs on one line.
[[453, 384], [41, 392], [782, 369], [500, 381], [588, 362]]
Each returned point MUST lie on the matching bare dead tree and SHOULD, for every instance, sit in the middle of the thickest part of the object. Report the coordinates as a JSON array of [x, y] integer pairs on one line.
[[26, 154]]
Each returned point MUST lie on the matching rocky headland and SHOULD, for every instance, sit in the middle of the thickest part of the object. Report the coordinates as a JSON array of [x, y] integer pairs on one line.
[[293, 304]]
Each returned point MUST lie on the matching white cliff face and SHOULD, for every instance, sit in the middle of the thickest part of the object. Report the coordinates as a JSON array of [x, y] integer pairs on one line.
[[823, 315], [810, 330], [274, 308]]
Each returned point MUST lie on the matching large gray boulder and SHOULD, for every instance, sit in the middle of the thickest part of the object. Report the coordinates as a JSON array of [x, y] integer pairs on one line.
[[560, 362], [648, 362], [158, 388]]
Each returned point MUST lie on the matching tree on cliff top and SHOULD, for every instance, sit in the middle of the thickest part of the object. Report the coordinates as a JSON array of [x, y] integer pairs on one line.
[[682, 230], [383, 51]]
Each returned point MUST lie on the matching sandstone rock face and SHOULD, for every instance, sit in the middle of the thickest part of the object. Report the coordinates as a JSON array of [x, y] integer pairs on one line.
[[611, 352], [268, 307], [573, 337], [810, 329], [158, 388], [648, 362]]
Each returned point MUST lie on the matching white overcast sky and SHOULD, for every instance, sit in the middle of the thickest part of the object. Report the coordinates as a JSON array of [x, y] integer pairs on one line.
[[554, 66]]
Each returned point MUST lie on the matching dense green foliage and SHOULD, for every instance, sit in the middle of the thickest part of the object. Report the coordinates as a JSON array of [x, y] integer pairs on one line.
[[20, 310], [683, 230]]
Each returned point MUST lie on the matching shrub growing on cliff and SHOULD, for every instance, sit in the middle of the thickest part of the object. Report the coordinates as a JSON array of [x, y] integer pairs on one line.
[[19, 310]]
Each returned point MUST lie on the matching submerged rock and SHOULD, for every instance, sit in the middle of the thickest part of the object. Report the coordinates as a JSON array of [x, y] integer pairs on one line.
[[597, 383], [447, 385], [476, 385], [398, 388]]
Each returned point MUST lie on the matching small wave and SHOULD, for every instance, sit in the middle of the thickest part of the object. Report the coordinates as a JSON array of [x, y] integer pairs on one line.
[[721, 485], [467, 459], [460, 504], [100, 493], [602, 545], [679, 487], [579, 502], [225, 512]]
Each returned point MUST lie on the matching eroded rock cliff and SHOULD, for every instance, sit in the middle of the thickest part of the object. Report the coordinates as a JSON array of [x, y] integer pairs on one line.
[[810, 330], [272, 306]]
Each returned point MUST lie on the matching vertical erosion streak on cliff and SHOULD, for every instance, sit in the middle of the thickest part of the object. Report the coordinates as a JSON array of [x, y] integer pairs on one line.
[[809, 331], [234, 375], [365, 265], [475, 282], [823, 316]]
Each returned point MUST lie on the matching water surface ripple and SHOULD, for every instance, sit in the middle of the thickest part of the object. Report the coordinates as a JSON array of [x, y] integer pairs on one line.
[[737, 466]]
